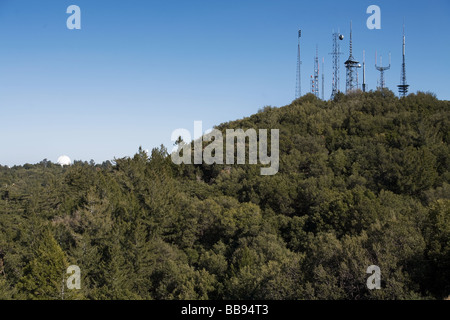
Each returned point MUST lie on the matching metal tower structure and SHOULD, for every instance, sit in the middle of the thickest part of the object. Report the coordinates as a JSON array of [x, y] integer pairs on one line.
[[316, 73], [298, 88], [382, 69], [403, 86], [335, 88], [364, 71], [323, 79], [352, 68]]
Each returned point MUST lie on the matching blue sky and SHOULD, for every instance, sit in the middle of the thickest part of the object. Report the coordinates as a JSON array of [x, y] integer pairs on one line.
[[137, 70]]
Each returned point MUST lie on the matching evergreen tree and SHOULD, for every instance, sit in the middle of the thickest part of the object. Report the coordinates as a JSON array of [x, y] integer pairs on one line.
[[44, 276]]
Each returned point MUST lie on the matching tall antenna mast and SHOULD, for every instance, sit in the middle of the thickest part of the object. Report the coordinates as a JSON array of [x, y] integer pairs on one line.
[[323, 79], [403, 86], [382, 70], [352, 67], [335, 88], [298, 89], [364, 71]]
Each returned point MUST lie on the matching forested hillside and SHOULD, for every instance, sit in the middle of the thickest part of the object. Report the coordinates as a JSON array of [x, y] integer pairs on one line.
[[363, 180]]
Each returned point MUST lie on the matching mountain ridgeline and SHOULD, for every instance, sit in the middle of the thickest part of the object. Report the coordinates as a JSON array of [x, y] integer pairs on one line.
[[363, 180]]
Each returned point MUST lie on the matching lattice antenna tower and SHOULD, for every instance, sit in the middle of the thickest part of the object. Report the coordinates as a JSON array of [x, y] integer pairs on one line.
[[382, 69], [316, 73], [335, 87], [298, 88], [403, 86], [352, 67]]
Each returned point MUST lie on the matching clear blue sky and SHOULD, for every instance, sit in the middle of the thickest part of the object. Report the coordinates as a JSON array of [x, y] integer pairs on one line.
[[137, 70]]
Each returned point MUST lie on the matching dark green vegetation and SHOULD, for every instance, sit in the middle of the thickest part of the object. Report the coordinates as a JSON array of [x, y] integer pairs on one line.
[[364, 180]]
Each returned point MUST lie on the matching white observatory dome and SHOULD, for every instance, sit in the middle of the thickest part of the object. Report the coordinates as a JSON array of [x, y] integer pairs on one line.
[[64, 161]]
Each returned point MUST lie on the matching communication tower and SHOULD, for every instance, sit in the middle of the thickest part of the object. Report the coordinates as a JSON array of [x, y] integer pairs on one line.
[[335, 88], [364, 72], [403, 87], [298, 88], [382, 69], [316, 73], [323, 79], [352, 67]]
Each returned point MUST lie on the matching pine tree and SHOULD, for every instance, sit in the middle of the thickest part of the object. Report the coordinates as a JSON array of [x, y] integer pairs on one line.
[[44, 276]]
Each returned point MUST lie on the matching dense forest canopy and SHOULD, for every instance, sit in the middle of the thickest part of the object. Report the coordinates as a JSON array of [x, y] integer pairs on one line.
[[363, 180]]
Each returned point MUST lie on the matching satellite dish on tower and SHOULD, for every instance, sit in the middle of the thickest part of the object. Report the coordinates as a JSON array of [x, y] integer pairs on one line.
[[341, 37], [64, 161]]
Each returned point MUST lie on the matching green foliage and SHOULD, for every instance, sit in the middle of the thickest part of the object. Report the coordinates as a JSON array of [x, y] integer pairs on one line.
[[363, 180], [438, 252], [43, 276]]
